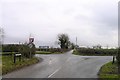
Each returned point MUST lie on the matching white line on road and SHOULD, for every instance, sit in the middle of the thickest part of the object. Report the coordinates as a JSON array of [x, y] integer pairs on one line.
[[58, 69], [54, 72], [67, 60]]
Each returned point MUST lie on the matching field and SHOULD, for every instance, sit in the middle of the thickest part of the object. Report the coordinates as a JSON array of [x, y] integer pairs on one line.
[[47, 52]]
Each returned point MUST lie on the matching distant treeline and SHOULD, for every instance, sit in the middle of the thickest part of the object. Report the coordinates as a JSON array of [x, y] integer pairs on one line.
[[90, 51], [53, 50], [17, 47]]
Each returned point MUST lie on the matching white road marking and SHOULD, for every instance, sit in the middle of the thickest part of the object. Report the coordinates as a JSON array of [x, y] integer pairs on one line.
[[54, 72], [67, 60], [50, 61], [58, 69]]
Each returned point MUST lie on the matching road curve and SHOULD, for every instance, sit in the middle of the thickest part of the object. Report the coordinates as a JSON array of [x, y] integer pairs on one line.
[[64, 65]]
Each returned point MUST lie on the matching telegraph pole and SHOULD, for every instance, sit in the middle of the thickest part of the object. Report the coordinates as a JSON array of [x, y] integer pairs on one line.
[[107, 46], [76, 42]]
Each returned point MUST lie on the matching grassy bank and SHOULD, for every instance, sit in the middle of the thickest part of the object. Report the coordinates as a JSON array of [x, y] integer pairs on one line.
[[109, 70], [8, 65]]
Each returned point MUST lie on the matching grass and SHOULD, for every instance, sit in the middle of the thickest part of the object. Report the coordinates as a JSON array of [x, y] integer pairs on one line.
[[8, 65], [47, 52], [43, 52], [109, 70]]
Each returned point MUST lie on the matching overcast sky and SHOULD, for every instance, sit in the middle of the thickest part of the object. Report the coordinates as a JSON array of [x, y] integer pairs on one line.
[[91, 21]]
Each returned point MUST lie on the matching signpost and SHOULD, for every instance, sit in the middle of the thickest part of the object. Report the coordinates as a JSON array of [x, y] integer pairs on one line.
[[31, 45], [17, 55]]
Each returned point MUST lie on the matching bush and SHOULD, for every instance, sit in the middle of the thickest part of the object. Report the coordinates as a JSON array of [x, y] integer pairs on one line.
[[26, 51]]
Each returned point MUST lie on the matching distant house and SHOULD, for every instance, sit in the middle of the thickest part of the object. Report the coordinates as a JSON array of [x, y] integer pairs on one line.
[[44, 48], [82, 46]]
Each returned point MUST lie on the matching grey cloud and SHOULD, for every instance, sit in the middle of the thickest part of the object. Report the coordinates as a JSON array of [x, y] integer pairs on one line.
[[92, 22]]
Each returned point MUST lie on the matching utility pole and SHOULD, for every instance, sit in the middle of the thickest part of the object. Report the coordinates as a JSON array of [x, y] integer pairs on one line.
[[76, 42], [107, 46]]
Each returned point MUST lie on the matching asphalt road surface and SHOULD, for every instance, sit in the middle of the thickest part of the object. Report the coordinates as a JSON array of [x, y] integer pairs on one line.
[[62, 66]]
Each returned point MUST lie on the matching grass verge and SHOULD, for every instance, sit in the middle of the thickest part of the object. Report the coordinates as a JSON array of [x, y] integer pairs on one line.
[[46, 52], [109, 71], [43, 52], [9, 66]]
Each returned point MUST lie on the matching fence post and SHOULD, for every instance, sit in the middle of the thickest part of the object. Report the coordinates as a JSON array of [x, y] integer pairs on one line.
[[14, 58], [113, 59]]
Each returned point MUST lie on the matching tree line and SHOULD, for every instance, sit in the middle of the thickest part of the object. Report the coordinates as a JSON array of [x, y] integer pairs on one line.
[[91, 51]]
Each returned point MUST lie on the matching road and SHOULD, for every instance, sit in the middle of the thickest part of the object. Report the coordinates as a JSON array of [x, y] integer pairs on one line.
[[64, 65]]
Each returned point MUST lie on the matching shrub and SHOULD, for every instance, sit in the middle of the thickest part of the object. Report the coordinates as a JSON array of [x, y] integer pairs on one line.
[[26, 51]]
